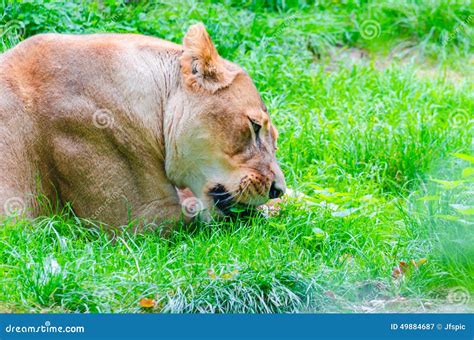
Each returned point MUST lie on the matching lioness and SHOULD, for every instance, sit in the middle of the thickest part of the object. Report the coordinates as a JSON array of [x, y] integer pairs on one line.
[[114, 123]]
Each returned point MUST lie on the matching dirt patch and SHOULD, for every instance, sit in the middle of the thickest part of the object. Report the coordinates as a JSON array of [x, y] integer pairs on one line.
[[404, 305], [403, 54]]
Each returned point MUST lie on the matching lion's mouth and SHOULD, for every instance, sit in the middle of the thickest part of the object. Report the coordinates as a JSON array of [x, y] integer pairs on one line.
[[225, 202], [222, 198]]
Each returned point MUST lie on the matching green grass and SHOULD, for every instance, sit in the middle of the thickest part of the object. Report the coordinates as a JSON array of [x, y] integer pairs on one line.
[[366, 142]]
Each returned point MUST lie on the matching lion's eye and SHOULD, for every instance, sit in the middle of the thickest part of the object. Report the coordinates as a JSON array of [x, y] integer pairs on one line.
[[256, 127]]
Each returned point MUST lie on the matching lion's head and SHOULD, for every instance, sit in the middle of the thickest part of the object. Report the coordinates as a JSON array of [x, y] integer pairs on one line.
[[222, 141]]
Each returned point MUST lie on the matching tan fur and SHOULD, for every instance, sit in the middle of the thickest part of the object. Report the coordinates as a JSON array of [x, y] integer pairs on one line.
[[113, 123], [201, 65]]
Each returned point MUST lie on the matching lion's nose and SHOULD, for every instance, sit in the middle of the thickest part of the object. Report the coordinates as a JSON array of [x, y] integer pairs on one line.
[[275, 191]]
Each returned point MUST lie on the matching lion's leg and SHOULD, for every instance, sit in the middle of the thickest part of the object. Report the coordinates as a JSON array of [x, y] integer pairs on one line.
[[119, 189], [17, 185], [17, 190], [14, 202], [163, 215]]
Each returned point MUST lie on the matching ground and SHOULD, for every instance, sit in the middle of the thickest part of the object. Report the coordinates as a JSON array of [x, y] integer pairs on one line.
[[374, 104]]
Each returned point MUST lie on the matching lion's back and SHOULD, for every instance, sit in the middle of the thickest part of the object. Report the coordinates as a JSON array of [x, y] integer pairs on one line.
[[52, 57]]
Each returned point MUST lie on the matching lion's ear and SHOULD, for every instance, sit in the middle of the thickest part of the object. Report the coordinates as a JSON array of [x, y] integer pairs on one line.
[[201, 65]]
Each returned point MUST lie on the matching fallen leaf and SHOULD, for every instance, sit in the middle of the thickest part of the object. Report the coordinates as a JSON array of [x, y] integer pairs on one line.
[[227, 276], [147, 303], [396, 272], [403, 267], [421, 262], [400, 269], [211, 274]]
